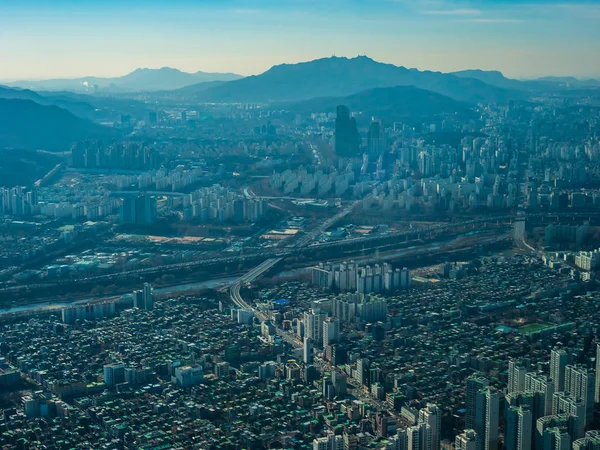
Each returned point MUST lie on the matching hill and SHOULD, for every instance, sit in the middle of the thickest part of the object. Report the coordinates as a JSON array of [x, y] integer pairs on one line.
[[390, 104], [25, 167], [571, 82], [140, 80], [545, 84], [28, 125], [185, 93], [335, 77], [75, 106], [494, 78]]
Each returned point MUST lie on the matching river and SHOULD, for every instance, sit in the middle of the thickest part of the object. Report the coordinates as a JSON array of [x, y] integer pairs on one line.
[[176, 289]]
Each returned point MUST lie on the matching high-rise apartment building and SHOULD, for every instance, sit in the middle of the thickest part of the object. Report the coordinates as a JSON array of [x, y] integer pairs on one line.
[[567, 403], [540, 383], [432, 416], [331, 331], [313, 325], [474, 385], [519, 428], [581, 383], [487, 418], [516, 375], [559, 359], [467, 440]]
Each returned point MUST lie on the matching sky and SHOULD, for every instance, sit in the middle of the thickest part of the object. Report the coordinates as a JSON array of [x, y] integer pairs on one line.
[[42, 39]]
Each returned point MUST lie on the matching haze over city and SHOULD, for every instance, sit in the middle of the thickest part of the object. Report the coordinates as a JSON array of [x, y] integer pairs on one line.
[[299, 224], [65, 38]]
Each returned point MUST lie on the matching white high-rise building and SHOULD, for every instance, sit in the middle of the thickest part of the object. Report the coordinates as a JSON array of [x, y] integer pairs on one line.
[[418, 437], [432, 416], [559, 359], [331, 331], [474, 385], [519, 428], [466, 440], [591, 441], [580, 383], [516, 376], [329, 442], [541, 383], [487, 412], [313, 325], [114, 374], [398, 442], [566, 403]]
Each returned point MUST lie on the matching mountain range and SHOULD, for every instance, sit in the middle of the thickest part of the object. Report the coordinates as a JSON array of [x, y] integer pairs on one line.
[[58, 114], [390, 104], [338, 77], [140, 80]]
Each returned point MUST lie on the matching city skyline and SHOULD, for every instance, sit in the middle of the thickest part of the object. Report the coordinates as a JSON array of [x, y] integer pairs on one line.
[[44, 40]]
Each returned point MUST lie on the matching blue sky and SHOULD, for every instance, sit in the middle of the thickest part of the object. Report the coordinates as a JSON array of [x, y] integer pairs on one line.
[[69, 38]]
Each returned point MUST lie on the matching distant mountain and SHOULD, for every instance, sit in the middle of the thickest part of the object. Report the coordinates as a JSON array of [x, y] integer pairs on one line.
[[76, 106], [571, 81], [494, 78], [544, 84], [140, 80], [25, 124], [24, 167], [337, 77], [391, 104], [186, 93]]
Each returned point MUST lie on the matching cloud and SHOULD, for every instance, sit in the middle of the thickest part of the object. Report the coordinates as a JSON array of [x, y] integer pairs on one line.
[[246, 11], [452, 12], [495, 20]]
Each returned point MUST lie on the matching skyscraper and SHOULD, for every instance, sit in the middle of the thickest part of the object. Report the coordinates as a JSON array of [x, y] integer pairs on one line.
[[375, 138], [597, 387], [487, 412], [591, 441], [474, 385], [581, 385], [308, 351], [519, 428], [114, 374], [556, 439], [140, 210], [466, 440], [347, 139], [555, 432], [516, 375], [542, 384], [148, 296], [432, 416], [145, 210], [331, 331], [313, 325], [566, 403], [559, 359]]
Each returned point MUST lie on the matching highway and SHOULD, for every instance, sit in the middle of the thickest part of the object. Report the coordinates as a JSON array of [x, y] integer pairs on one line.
[[303, 246], [234, 289]]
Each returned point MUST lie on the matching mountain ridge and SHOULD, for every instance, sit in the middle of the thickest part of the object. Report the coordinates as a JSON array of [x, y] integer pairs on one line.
[[139, 80], [390, 104], [28, 125], [340, 76]]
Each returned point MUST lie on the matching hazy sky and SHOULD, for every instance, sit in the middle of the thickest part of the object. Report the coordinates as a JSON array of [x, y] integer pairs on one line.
[[70, 38]]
